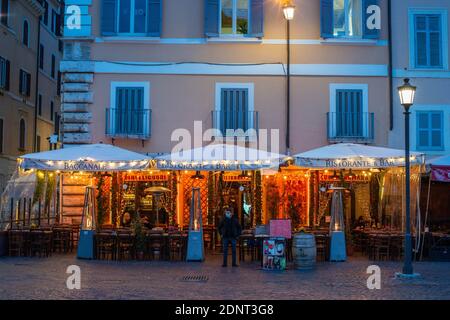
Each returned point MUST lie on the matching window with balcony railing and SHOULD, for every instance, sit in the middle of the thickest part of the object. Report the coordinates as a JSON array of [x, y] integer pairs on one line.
[[349, 122], [234, 112], [129, 117]]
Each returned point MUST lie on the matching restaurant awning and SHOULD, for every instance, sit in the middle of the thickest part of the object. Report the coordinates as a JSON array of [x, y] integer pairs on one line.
[[219, 157], [354, 156], [440, 169], [89, 157]]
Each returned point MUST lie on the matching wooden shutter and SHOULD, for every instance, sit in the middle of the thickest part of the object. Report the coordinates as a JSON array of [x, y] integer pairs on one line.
[[326, 18], [369, 33], [154, 19], [234, 109], [21, 82], [1, 135], [435, 40], [349, 116], [212, 18], [256, 18], [436, 130], [7, 74], [109, 17], [28, 93]]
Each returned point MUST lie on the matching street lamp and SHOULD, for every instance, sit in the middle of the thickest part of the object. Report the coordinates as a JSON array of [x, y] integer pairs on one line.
[[289, 12], [407, 93]]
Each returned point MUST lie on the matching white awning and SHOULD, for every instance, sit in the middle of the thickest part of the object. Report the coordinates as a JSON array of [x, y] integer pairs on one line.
[[355, 156], [90, 157], [219, 157]]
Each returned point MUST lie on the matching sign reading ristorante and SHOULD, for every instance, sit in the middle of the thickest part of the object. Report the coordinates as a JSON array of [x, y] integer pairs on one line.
[[359, 163]]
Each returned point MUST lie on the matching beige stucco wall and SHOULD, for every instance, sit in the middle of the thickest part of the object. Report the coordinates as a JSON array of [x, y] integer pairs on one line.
[[432, 86], [178, 101]]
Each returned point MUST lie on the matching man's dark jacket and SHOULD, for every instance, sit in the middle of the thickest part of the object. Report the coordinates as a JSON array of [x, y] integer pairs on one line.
[[229, 228]]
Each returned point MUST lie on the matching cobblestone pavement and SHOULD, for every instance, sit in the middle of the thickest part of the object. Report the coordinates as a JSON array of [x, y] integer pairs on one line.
[[35, 278]]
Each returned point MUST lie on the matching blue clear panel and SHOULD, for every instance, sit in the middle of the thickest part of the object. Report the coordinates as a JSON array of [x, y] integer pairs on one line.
[[140, 16], [242, 17], [227, 16], [124, 16]]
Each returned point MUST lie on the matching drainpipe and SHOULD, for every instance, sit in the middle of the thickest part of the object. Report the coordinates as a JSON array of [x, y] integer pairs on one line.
[[391, 71], [37, 85]]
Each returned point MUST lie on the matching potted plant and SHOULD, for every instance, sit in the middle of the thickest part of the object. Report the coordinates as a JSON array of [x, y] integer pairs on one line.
[[139, 234]]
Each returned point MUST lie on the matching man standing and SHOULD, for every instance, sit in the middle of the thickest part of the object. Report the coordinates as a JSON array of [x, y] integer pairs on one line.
[[229, 229]]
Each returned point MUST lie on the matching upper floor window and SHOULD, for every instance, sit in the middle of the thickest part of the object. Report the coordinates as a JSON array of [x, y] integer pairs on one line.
[[234, 18], [38, 143], [41, 56], [234, 109], [4, 73], [53, 21], [22, 132], [40, 104], [24, 83], [428, 33], [25, 35], [1, 135], [129, 115], [428, 40], [350, 19], [349, 119], [45, 14], [131, 17], [4, 12], [52, 108], [53, 69], [430, 130]]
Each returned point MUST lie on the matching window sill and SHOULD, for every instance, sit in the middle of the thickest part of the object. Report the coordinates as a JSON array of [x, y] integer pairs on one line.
[[437, 70], [128, 39], [350, 42], [228, 39], [8, 29]]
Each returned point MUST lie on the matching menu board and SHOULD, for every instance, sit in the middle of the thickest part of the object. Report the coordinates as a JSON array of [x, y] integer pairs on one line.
[[280, 228], [274, 254]]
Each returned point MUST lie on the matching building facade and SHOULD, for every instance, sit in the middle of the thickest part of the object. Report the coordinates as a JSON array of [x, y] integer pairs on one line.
[[420, 49], [27, 94], [135, 71]]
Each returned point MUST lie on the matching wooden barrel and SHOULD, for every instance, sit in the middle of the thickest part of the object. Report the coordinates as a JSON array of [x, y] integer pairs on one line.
[[304, 251]]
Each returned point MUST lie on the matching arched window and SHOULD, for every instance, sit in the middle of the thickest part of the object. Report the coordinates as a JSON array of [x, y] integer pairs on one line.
[[22, 134], [25, 33]]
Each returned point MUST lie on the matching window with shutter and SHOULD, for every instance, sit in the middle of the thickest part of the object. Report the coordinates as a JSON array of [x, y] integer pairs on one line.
[[41, 56], [24, 83], [234, 18], [52, 73], [129, 118], [1, 135], [131, 17], [25, 37], [430, 130], [428, 41], [349, 113], [4, 12], [347, 19], [22, 132], [2, 73]]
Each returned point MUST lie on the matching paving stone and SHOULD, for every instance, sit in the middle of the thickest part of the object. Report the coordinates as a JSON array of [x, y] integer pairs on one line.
[[45, 278]]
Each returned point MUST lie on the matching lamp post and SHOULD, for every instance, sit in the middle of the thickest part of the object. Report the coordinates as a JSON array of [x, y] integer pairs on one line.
[[289, 12], [407, 93]]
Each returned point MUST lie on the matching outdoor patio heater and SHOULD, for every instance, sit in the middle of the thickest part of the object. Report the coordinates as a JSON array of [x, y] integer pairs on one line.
[[195, 249], [87, 230], [337, 227]]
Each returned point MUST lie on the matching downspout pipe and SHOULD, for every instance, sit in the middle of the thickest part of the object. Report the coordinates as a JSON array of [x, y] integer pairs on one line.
[[36, 98], [391, 69]]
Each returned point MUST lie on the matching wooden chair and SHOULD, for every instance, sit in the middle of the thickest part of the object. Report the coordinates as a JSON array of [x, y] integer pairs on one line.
[[382, 247], [176, 247], [322, 247], [62, 239], [125, 246], [16, 243], [40, 243], [155, 246], [105, 246]]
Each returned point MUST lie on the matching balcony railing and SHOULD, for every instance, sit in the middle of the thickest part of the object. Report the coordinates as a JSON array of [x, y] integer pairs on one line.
[[224, 120], [350, 127], [133, 124]]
